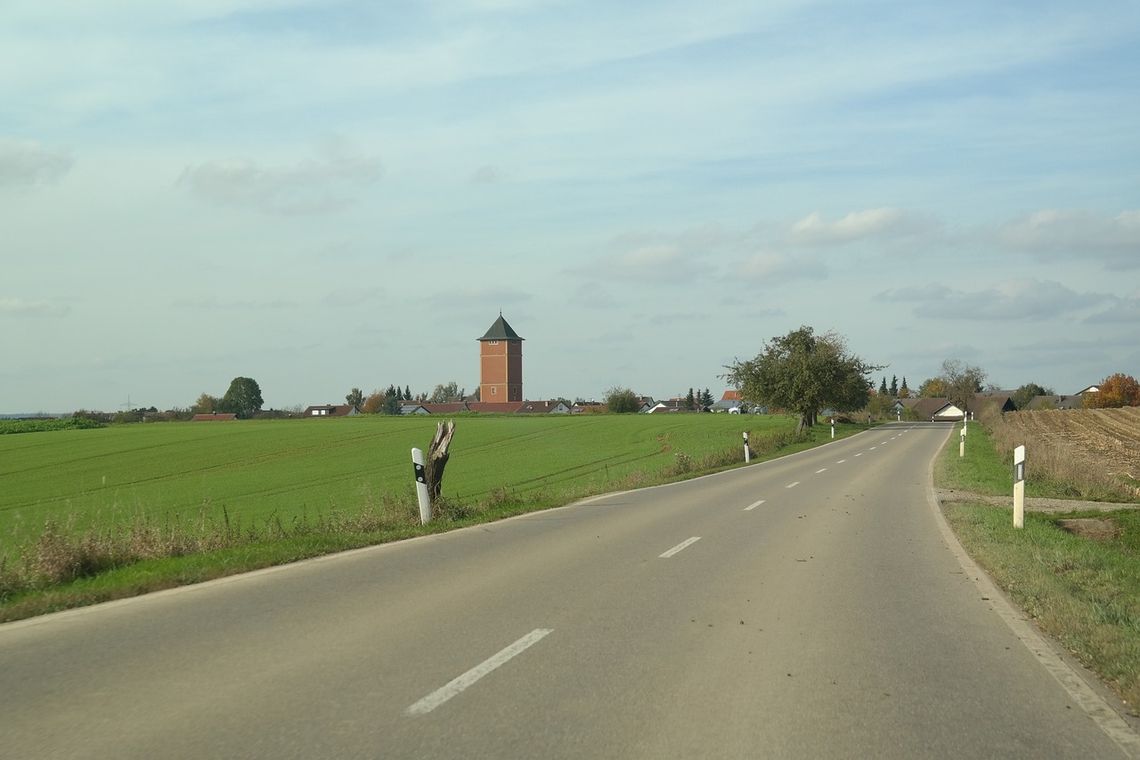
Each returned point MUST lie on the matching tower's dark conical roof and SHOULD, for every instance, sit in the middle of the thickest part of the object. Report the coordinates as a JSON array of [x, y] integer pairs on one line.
[[501, 331]]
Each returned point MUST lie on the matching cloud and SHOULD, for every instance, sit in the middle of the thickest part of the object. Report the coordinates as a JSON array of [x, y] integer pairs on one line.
[[1016, 300], [814, 230], [778, 268], [347, 297], [212, 303], [1125, 311], [1054, 234], [28, 163], [19, 307], [309, 187], [486, 175]]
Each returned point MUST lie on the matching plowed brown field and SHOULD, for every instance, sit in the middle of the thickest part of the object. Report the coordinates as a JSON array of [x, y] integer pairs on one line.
[[1103, 438]]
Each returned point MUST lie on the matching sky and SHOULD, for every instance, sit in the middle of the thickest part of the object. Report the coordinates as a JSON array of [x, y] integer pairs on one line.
[[330, 194]]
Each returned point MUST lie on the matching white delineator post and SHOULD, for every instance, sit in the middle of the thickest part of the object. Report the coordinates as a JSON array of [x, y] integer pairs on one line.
[[747, 451], [421, 486], [833, 427], [1019, 487], [962, 444]]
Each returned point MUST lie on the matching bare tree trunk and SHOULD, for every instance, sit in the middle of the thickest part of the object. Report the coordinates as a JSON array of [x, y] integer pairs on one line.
[[438, 455]]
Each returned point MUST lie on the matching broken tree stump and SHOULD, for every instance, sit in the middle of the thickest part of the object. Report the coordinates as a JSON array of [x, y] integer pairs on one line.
[[438, 455]]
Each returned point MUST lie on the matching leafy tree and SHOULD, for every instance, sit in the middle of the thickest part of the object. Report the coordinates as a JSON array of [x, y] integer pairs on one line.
[[392, 404], [206, 404], [963, 381], [622, 400], [374, 403], [448, 392], [1116, 390], [355, 399], [803, 372], [935, 387], [243, 397], [1026, 393]]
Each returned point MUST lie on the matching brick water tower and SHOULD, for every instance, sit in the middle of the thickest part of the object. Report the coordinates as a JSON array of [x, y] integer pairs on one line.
[[500, 364]]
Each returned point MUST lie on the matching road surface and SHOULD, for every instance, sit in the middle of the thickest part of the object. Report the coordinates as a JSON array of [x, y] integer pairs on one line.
[[805, 607]]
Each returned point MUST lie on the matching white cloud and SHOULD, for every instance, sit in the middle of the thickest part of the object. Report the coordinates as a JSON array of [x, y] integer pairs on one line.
[[19, 307], [307, 187], [779, 268], [28, 163], [813, 229], [1054, 234]]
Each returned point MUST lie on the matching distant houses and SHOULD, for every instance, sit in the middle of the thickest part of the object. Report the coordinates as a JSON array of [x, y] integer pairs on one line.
[[330, 410]]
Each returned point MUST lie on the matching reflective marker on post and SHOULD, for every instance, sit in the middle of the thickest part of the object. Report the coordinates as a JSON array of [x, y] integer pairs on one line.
[[421, 486], [1019, 487]]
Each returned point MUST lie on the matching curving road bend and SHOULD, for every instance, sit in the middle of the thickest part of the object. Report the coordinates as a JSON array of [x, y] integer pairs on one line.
[[807, 607]]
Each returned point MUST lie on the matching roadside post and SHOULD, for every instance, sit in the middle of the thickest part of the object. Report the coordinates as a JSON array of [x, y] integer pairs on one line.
[[421, 486], [962, 444], [747, 451], [1019, 487], [898, 415], [833, 428]]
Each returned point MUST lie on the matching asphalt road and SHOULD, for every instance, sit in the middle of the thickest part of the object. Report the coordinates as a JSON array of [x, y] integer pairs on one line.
[[806, 607]]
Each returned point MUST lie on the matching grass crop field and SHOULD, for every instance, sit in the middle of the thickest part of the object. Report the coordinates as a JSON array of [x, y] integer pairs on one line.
[[1076, 574], [87, 515], [287, 467]]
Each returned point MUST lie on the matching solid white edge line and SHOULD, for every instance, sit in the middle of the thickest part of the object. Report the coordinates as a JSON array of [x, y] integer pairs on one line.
[[753, 506], [1106, 718], [680, 547], [457, 685]]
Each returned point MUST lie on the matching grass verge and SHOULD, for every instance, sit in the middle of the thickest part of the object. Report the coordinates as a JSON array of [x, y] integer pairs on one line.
[[1082, 590]]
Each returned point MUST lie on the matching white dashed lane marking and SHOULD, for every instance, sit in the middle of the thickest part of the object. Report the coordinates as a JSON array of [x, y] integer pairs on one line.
[[680, 547]]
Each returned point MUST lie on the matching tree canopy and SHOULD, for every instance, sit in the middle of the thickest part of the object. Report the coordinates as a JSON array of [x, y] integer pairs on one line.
[[804, 373], [622, 400], [1116, 390], [243, 397], [1026, 393], [447, 392]]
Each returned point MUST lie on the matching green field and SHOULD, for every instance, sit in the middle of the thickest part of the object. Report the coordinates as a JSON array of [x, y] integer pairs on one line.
[[98, 514], [282, 468]]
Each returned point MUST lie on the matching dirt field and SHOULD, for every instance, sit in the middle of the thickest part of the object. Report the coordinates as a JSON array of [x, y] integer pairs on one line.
[[1105, 438]]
